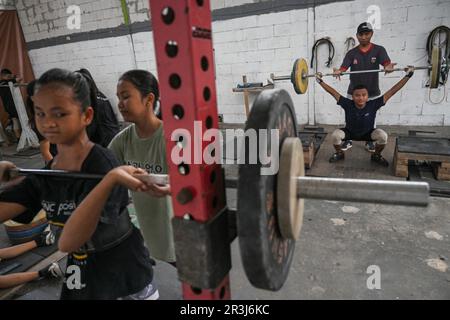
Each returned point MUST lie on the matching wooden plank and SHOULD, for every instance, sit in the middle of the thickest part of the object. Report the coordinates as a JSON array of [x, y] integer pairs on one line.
[[440, 175], [401, 171], [401, 156], [439, 172], [402, 162], [247, 108], [308, 155], [395, 157], [443, 177], [306, 159], [445, 165], [9, 293], [311, 155]]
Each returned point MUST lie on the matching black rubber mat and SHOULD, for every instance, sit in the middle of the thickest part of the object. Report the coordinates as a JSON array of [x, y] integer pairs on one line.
[[424, 145]]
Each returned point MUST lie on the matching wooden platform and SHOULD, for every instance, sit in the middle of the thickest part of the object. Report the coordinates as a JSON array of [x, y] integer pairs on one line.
[[308, 154], [312, 138], [435, 150], [357, 162]]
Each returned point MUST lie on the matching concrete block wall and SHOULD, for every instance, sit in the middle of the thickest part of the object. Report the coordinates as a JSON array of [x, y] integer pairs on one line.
[[257, 46], [219, 4], [46, 19], [254, 45], [106, 57], [7, 5]]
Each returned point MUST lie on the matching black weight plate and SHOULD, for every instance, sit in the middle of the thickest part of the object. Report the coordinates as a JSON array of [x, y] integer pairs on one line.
[[266, 255]]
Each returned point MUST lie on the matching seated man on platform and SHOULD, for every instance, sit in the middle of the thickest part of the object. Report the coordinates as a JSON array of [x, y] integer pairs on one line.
[[360, 116]]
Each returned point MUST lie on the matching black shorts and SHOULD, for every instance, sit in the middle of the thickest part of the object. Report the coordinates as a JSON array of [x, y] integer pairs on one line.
[[365, 137], [8, 102]]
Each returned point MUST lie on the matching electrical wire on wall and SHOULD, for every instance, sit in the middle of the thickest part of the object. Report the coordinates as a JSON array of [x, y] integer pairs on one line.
[[440, 36], [331, 51], [440, 101]]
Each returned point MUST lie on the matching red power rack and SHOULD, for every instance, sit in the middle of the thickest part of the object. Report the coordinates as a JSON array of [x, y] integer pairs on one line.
[[184, 54]]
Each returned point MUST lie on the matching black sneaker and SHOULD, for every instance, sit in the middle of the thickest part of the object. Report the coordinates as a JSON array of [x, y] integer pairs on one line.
[[52, 271], [46, 238], [150, 292], [337, 156], [379, 159], [347, 144], [370, 146]]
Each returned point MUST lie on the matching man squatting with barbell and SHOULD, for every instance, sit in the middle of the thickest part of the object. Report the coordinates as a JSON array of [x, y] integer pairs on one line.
[[360, 116], [366, 56]]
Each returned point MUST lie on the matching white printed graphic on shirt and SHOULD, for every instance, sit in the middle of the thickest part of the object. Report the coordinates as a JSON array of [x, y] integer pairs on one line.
[[64, 208], [149, 167]]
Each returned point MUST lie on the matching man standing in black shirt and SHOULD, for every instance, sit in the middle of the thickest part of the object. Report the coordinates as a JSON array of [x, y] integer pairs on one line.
[[360, 113], [366, 56], [6, 76]]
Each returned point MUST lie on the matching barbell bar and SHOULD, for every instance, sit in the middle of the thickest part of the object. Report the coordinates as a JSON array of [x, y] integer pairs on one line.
[[340, 189], [299, 75], [278, 78], [16, 172], [160, 179], [363, 190]]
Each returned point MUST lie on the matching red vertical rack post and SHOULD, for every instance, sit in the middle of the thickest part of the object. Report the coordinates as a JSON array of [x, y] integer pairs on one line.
[[184, 54]]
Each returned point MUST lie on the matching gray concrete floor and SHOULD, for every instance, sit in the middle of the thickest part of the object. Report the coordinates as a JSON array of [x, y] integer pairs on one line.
[[339, 242]]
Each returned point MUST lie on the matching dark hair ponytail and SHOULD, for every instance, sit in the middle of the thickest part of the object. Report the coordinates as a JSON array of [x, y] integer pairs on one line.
[[74, 80], [92, 85]]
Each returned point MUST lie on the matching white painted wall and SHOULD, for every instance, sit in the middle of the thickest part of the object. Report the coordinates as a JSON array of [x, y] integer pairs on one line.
[[256, 46], [7, 5], [107, 59]]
